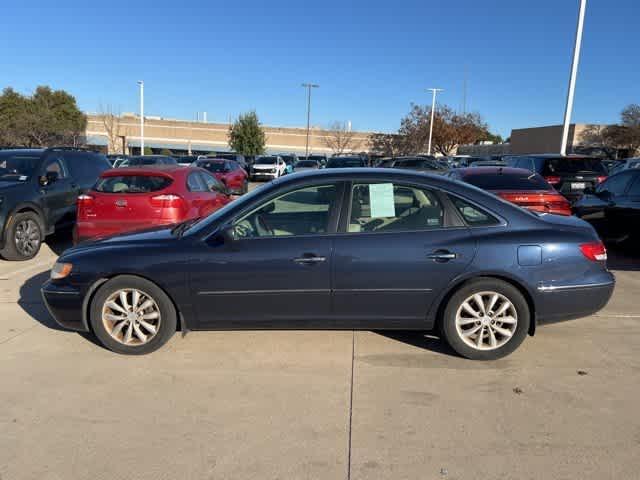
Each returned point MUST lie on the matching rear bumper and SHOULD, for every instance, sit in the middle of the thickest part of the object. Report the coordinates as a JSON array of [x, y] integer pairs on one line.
[[557, 303], [65, 304]]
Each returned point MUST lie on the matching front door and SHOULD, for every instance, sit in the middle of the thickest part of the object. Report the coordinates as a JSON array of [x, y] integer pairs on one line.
[[397, 255], [277, 271]]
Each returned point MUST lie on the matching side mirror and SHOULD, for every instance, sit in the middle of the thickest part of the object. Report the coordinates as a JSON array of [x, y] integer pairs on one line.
[[48, 179]]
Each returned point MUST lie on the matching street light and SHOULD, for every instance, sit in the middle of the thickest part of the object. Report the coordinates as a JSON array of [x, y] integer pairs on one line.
[[572, 80], [433, 107], [141, 83], [308, 86]]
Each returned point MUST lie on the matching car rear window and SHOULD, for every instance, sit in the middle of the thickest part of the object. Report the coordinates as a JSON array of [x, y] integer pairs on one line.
[[345, 162], [132, 184], [212, 166], [575, 165], [507, 181]]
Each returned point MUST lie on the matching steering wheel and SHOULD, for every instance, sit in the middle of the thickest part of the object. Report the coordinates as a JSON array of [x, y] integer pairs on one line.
[[244, 229]]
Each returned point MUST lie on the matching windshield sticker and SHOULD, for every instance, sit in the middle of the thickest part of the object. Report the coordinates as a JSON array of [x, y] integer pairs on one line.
[[381, 200]]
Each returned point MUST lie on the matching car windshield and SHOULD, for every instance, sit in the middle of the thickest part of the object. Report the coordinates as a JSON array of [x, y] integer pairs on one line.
[[131, 184], [288, 159], [266, 161], [345, 163], [212, 166], [18, 166], [508, 181], [575, 165], [307, 164]]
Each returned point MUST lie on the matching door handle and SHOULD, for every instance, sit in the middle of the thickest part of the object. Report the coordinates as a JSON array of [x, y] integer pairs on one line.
[[311, 260], [442, 256]]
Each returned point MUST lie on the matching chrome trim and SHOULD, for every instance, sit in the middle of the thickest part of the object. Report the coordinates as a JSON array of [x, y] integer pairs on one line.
[[59, 292], [383, 290], [264, 292], [555, 288]]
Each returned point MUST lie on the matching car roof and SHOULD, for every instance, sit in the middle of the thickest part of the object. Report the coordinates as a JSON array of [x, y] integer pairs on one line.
[[22, 150], [164, 170], [551, 155], [491, 170]]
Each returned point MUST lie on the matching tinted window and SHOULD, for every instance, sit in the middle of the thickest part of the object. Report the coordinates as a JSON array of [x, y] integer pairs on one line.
[[388, 207], [212, 183], [266, 161], [307, 164], [634, 190], [194, 184], [18, 166], [55, 164], [507, 181], [574, 165], [301, 212], [473, 215], [211, 166], [616, 184], [132, 184], [87, 166], [139, 161], [345, 163]]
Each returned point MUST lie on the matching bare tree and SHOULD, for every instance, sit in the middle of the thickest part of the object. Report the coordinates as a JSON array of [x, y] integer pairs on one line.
[[339, 138], [112, 127]]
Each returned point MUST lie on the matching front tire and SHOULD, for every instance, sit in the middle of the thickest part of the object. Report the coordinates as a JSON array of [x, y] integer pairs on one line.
[[132, 316], [486, 319], [23, 237]]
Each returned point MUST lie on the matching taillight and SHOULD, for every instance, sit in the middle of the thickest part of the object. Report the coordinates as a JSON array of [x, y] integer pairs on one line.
[[601, 179], [553, 180], [167, 201], [85, 200], [594, 251]]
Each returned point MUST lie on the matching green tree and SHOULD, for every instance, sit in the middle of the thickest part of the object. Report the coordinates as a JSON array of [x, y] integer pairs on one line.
[[246, 136], [166, 151], [47, 118], [148, 151]]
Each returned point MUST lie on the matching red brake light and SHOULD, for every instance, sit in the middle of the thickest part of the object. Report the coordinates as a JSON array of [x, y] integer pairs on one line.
[[84, 200], [601, 179], [594, 251], [167, 201], [553, 179]]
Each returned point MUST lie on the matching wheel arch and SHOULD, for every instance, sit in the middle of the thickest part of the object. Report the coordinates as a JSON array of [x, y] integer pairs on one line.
[[95, 286], [22, 208], [459, 283]]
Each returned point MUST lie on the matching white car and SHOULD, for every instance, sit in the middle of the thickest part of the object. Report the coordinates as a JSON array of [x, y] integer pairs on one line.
[[268, 167]]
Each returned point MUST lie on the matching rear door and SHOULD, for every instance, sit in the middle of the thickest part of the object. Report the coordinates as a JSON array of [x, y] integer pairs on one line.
[[59, 197], [401, 245]]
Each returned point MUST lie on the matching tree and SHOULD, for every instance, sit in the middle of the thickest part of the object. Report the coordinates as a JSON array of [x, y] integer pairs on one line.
[[388, 144], [47, 118], [246, 136], [491, 137], [148, 151], [339, 138], [623, 136], [166, 151], [112, 127]]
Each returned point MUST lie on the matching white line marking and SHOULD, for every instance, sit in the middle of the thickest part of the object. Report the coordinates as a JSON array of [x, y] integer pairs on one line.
[[616, 315]]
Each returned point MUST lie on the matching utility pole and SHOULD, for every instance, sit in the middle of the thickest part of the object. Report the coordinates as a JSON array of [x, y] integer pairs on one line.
[[308, 86], [141, 83], [572, 79], [434, 91], [464, 91]]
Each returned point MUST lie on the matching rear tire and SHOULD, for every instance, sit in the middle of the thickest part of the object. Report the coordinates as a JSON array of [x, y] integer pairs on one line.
[[132, 316], [24, 235], [486, 319]]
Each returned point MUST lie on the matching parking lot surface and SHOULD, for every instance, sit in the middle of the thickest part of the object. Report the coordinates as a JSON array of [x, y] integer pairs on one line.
[[316, 404]]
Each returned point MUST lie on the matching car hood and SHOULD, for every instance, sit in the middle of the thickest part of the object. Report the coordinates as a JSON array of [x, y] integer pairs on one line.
[[141, 237]]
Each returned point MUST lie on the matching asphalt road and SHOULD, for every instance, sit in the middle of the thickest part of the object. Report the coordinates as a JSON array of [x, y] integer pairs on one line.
[[316, 404]]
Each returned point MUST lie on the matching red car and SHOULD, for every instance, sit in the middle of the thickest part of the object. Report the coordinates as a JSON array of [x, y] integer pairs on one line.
[[516, 185], [228, 172], [127, 199]]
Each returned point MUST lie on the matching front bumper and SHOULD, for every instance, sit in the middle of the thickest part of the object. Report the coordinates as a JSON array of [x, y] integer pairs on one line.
[[66, 306], [569, 301], [259, 174]]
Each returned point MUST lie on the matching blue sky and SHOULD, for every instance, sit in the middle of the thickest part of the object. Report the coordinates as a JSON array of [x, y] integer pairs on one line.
[[371, 58]]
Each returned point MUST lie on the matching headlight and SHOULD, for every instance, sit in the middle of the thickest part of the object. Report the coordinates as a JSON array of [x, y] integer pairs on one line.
[[60, 270]]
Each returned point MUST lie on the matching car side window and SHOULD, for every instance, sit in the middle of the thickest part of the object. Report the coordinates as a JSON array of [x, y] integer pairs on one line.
[[389, 207], [472, 215], [616, 184], [55, 164], [302, 212], [213, 185], [194, 184]]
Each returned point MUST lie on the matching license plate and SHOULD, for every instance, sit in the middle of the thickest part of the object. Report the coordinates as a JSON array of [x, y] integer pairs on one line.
[[578, 186]]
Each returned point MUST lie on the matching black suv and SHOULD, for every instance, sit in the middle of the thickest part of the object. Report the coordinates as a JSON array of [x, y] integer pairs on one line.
[[38, 192], [569, 175]]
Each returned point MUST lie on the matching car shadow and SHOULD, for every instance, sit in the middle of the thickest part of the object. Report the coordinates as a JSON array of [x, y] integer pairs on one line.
[[623, 258], [59, 241], [425, 340]]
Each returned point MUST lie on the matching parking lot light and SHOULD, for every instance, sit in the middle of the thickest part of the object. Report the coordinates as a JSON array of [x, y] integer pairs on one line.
[[141, 83], [433, 108]]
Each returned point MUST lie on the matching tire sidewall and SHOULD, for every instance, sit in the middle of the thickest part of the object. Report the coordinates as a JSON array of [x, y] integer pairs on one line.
[[10, 251], [167, 313], [509, 291]]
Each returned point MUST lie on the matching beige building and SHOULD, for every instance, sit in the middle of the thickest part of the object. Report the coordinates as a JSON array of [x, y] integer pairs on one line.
[[200, 137], [548, 139]]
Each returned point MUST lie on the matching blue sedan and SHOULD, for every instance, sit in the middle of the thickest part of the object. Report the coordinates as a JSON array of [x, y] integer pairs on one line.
[[340, 249]]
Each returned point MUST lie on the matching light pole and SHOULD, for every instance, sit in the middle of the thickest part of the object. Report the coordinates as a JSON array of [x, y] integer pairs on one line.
[[433, 108], [572, 80], [141, 83], [308, 86]]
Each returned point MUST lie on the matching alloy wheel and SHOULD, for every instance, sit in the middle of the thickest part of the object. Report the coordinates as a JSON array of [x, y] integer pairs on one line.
[[27, 237], [131, 316], [486, 320]]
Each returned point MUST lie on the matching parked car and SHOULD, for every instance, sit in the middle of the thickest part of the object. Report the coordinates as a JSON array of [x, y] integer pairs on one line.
[[346, 162], [128, 199], [38, 191], [624, 165], [304, 165], [421, 164], [516, 185], [116, 159], [351, 248], [228, 172], [185, 159], [570, 175], [488, 163], [319, 157], [290, 160], [236, 157], [613, 207], [269, 167], [148, 160]]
